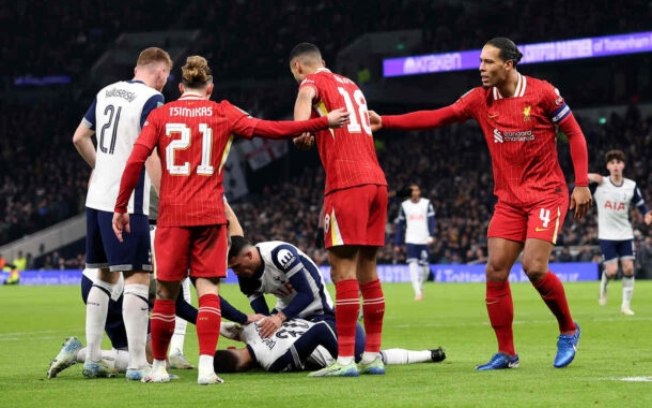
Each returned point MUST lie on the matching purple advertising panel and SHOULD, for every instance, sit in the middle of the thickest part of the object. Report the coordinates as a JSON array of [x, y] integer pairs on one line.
[[532, 53], [444, 273]]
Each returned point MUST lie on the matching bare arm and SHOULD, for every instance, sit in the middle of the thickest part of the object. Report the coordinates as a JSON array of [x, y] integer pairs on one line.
[[153, 168], [303, 103], [595, 178], [84, 145], [235, 229]]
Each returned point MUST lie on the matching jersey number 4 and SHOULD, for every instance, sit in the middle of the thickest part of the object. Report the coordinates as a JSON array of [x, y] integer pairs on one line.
[[358, 119], [183, 143]]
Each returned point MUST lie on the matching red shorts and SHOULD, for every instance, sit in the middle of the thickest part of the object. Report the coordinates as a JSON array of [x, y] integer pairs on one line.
[[541, 220], [355, 216], [200, 249]]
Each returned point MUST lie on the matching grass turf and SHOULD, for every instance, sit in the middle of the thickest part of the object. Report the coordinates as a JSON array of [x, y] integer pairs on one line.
[[36, 320]]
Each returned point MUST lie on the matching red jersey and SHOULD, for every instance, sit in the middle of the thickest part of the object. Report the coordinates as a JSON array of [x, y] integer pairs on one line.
[[193, 137], [521, 135], [348, 154]]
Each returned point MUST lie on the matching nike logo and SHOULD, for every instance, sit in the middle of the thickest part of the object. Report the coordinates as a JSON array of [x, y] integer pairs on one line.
[[537, 229], [492, 116]]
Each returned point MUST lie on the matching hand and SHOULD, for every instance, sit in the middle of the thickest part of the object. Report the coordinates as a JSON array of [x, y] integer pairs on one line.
[[121, 222], [253, 318], [397, 248], [430, 240], [648, 218], [269, 325], [338, 118], [581, 201], [231, 331], [304, 142], [376, 121]]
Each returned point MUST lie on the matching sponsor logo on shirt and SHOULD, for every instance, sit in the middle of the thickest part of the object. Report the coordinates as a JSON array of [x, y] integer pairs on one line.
[[509, 136], [285, 258]]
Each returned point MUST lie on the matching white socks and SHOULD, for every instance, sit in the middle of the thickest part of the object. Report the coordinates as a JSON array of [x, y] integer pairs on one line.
[[179, 336], [628, 290], [206, 367], [368, 357], [135, 313], [117, 359], [415, 277], [97, 306], [402, 356]]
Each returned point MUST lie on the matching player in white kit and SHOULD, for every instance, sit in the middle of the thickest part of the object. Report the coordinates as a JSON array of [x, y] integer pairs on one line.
[[613, 196], [281, 269], [301, 345], [117, 115], [416, 218]]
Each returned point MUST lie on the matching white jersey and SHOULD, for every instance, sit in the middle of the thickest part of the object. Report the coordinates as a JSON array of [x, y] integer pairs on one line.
[[281, 262], [117, 115], [613, 203], [267, 351], [415, 216]]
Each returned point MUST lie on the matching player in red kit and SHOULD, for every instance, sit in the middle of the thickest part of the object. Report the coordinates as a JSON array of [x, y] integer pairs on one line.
[[193, 136], [355, 207], [518, 116]]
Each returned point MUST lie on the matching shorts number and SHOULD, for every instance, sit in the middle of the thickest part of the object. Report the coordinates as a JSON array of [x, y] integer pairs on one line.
[[357, 120], [544, 215], [183, 143]]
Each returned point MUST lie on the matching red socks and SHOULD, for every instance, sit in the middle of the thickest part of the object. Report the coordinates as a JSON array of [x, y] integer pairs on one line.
[[347, 308], [209, 319], [501, 314], [162, 327], [373, 310], [552, 292]]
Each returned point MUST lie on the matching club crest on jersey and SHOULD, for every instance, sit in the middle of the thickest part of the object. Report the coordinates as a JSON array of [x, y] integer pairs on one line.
[[526, 113]]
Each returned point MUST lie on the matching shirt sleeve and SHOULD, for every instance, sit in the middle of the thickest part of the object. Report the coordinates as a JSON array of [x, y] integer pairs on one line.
[[286, 258], [308, 82], [152, 103], [459, 111], [554, 104], [141, 151], [247, 126], [89, 116], [639, 201]]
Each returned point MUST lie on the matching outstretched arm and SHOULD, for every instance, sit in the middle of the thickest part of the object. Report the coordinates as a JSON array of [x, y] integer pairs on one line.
[[419, 120], [595, 178]]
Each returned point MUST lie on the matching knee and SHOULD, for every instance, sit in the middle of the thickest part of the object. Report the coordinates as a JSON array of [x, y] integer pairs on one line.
[[496, 271], [611, 269], [535, 267], [628, 269]]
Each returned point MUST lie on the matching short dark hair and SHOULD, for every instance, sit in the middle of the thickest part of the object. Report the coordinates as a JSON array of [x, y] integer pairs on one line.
[[303, 49], [614, 154], [508, 50], [238, 243], [225, 361]]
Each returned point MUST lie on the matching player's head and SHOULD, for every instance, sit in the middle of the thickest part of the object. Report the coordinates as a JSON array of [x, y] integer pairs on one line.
[[615, 161], [415, 192], [305, 58], [153, 67], [232, 360], [243, 257], [498, 61], [196, 77]]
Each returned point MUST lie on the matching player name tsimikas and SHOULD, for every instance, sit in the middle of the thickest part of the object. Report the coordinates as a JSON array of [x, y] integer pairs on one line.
[[191, 112]]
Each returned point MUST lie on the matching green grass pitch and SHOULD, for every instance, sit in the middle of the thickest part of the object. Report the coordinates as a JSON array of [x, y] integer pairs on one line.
[[36, 320]]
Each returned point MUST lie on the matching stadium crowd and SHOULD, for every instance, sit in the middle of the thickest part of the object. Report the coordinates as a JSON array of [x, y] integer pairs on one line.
[[43, 181]]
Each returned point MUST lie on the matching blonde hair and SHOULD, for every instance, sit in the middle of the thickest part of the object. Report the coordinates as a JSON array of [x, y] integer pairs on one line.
[[153, 54], [196, 73]]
